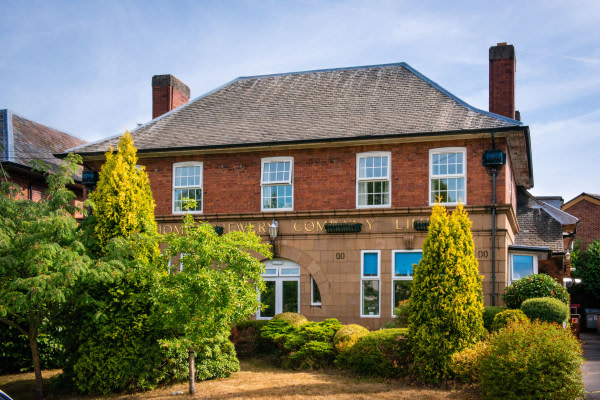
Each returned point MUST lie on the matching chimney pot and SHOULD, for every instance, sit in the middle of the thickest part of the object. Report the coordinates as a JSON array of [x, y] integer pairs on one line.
[[168, 93]]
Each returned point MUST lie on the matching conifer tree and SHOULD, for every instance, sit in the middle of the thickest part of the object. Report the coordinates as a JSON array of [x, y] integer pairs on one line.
[[446, 301], [122, 202]]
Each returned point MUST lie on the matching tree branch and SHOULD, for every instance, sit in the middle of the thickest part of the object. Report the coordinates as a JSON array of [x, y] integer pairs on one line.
[[14, 325]]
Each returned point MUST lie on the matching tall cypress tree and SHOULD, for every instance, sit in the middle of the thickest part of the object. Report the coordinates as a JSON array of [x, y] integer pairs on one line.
[[446, 301], [123, 202]]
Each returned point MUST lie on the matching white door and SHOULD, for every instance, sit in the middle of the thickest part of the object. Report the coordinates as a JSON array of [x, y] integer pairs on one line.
[[282, 294]]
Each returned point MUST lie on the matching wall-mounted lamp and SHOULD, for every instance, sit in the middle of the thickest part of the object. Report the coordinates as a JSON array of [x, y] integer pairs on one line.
[[273, 231], [570, 282]]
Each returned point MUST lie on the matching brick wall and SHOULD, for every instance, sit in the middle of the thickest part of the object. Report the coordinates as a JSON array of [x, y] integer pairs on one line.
[[324, 178], [588, 228]]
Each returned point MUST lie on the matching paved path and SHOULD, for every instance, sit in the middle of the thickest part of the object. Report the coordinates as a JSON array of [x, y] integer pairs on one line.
[[591, 366]]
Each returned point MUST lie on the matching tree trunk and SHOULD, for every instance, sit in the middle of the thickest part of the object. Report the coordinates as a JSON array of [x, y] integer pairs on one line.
[[39, 384], [192, 372]]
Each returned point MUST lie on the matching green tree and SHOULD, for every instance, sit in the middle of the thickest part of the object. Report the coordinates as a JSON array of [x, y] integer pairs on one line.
[[587, 268], [216, 285], [42, 259], [112, 343], [122, 202], [446, 302]]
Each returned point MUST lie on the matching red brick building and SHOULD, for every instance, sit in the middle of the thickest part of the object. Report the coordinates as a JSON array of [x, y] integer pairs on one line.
[[22, 141], [348, 163], [586, 207]]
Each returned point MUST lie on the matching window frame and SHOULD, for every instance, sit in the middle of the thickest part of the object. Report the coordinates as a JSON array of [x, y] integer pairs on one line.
[[201, 186], [442, 150], [369, 154], [370, 278], [279, 278], [290, 181], [510, 263], [401, 278], [312, 297]]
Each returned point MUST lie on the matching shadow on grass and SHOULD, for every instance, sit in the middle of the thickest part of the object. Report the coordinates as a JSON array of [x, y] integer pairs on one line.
[[256, 380]]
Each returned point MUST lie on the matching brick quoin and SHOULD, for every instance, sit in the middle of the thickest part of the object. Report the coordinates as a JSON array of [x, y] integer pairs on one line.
[[324, 178]]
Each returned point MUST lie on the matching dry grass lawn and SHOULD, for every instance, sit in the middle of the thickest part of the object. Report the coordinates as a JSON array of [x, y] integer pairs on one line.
[[257, 380]]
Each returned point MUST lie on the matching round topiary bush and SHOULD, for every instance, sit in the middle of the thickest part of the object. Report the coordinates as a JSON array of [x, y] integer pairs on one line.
[[532, 360], [347, 336], [546, 309], [291, 318], [502, 319], [532, 286], [383, 353], [489, 312]]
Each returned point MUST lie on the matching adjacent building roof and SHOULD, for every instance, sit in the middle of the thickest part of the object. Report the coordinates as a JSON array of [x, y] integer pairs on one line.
[[540, 224], [335, 104], [591, 197], [24, 140]]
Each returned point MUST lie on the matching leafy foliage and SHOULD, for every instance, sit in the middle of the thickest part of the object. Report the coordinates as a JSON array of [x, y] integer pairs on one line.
[[466, 364], [502, 319], [402, 313], [529, 287], [546, 309], [587, 264], [42, 259], [15, 353], [216, 286], [446, 302], [294, 319], [249, 342], [304, 346], [532, 360], [347, 336], [384, 353], [489, 312], [122, 202]]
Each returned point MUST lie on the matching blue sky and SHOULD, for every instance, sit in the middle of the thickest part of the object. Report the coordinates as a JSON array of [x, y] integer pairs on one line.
[[86, 67]]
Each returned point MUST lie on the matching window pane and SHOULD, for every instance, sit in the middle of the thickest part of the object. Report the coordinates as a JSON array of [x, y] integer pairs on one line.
[[522, 266], [370, 264], [370, 300], [290, 296], [316, 294], [290, 271], [271, 271], [268, 299], [403, 263], [402, 291]]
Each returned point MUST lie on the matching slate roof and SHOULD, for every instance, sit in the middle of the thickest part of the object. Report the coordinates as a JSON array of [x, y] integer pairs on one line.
[[321, 105], [540, 224], [23, 140]]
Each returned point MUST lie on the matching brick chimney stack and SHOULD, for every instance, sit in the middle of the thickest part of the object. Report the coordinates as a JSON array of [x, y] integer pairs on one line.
[[503, 66], [168, 93]]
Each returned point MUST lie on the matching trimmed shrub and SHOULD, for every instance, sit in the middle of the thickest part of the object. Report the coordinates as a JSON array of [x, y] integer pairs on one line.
[[402, 312], [502, 319], [532, 286], [249, 341], [446, 304], [546, 309], [292, 318], [489, 312], [532, 360], [308, 345], [465, 364], [216, 358], [347, 336], [384, 353]]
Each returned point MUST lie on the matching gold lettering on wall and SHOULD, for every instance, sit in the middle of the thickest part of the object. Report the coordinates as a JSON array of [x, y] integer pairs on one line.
[[370, 224], [312, 226], [296, 228]]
